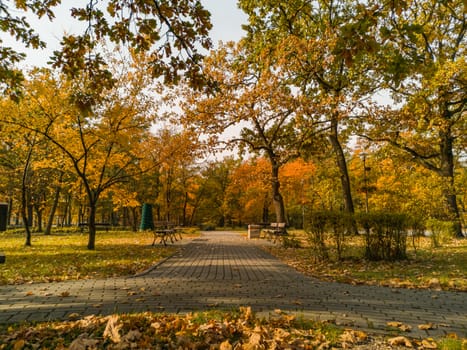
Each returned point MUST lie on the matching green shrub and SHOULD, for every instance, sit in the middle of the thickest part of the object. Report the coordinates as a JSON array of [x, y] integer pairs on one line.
[[291, 241], [339, 224], [315, 228], [385, 235], [440, 231]]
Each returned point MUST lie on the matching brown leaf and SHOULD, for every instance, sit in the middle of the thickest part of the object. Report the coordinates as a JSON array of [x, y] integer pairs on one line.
[[65, 294], [400, 325], [400, 341], [19, 344], [83, 343], [429, 344], [29, 293], [225, 346], [112, 329], [427, 326]]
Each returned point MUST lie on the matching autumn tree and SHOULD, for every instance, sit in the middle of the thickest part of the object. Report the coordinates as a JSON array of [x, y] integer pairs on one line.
[[253, 95], [425, 68], [210, 200], [170, 32], [249, 195], [100, 142], [326, 46]]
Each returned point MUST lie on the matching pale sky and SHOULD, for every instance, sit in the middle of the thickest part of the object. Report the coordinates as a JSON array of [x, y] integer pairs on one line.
[[225, 15]]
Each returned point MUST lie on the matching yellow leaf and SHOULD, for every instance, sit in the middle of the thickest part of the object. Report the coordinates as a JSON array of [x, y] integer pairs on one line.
[[400, 341], [19, 344], [429, 344], [225, 346], [112, 329], [400, 325], [425, 327]]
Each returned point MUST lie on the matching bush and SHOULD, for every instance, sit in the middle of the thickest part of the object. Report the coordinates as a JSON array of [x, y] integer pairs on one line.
[[385, 235], [440, 231], [315, 228]]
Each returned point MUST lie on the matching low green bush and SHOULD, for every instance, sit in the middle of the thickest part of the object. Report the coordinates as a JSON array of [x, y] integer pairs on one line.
[[385, 235], [440, 231]]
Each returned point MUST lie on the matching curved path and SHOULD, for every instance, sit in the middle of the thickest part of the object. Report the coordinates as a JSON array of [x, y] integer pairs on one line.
[[223, 270]]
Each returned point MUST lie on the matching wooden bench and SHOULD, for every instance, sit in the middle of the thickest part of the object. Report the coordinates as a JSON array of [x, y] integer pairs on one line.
[[98, 225], [164, 230], [275, 231]]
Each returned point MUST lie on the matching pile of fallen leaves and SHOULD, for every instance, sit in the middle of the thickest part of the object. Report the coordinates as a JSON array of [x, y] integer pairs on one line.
[[224, 331]]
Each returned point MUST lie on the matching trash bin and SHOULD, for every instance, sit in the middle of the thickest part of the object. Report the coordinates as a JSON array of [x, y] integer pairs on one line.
[[3, 216]]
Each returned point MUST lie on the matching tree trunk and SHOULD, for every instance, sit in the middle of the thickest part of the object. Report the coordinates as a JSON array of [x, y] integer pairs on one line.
[[278, 201], [48, 228], [24, 197], [185, 206], [39, 218], [265, 215], [447, 173], [342, 165], [92, 224]]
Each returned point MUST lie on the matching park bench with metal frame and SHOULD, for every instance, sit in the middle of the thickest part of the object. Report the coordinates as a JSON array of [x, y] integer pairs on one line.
[[164, 230]]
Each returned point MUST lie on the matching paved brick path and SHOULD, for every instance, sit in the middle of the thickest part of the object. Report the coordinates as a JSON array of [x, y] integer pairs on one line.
[[224, 270]]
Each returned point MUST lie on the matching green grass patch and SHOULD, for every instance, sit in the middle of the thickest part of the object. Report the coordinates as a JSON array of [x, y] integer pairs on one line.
[[442, 267], [64, 256]]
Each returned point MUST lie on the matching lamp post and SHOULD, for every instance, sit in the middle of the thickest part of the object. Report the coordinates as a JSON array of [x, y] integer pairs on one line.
[[365, 179]]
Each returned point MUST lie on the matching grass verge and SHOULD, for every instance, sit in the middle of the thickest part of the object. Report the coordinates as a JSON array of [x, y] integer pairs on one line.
[[64, 256], [440, 268]]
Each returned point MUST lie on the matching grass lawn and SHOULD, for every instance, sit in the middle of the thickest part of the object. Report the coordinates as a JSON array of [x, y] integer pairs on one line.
[[64, 256], [443, 267]]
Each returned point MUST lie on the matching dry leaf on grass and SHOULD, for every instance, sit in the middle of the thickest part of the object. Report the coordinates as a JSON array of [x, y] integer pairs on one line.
[[112, 329], [226, 346], [83, 343], [429, 344]]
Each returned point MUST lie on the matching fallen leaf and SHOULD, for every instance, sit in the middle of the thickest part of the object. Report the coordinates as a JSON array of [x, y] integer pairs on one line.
[[19, 344], [400, 341], [400, 326], [74, 315], [65, 294], [83, 343], [29, 293], [429, 344], [112, 329], [225, 346], [425, 327]]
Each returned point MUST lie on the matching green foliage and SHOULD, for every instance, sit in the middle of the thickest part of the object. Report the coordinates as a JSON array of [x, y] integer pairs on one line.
[[452, 344], [440, 231], [290, 241], [315, 227], [386, 235], [323, 226]]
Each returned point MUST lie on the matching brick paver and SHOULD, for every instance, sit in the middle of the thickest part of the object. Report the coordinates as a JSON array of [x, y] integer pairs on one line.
[[224, 270]]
